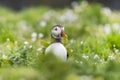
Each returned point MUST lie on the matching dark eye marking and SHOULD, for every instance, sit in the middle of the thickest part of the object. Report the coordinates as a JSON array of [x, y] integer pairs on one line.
[[56, 29]]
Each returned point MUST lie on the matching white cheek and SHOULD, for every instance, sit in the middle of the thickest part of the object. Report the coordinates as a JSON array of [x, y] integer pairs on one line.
[[56, 32]]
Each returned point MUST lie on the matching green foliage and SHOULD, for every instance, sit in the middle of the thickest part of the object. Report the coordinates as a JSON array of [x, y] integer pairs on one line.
[[92, 43]]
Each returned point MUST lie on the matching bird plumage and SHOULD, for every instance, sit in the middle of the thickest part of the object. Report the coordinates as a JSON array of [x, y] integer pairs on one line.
[[58, 50], [56, 47]]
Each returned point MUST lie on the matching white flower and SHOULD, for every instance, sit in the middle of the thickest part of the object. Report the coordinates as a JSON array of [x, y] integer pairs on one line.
[[34, 36], [74, 4], [16, 42], [7, 39], [111, 57], [116, 50], [114, 45], [85, 78], [68, 16], [39, 49], [107, 29], [4, 56], [8, 46], [48, 14], [81, 62], [96, 56], [26, 43], [102, 60], [30, 46], [23, 25], [85, 56], [76, 61], [40, 35], [43, 23], [81, 42], [24, 47], [72, 41], [107, 11], [1, 78], [116, 26]]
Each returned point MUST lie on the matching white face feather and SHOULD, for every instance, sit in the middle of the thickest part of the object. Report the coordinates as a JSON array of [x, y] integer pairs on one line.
[[56, 31]]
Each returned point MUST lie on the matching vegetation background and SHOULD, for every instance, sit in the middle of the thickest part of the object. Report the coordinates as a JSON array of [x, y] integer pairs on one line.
[[94, 48]]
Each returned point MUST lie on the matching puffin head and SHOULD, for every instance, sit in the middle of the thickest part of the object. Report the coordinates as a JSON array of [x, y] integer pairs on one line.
[[58, 32]]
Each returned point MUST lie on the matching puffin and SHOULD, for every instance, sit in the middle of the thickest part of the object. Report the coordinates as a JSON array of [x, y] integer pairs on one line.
[[56, 47]]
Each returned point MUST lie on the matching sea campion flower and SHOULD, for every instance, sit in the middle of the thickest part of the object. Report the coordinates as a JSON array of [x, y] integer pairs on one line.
[[72, 41], [76, 61], [43, 23], [81, 42], [111, 57], [106, 11], [74, 4], [68, 16], [26, 43], [7, 39], [116, 50], [34, 36], [116, 26], [107, 29], [84, 77], [40, 35], [48, 15], [40, 49], [23, 25], [30, 46], [85, 56], [4, 56], [96, 56]]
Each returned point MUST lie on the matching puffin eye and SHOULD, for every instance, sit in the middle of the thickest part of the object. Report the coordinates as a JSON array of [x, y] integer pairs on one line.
[[56, 29]]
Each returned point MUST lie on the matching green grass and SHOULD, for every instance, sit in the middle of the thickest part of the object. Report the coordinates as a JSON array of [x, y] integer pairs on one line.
[[93, 35]]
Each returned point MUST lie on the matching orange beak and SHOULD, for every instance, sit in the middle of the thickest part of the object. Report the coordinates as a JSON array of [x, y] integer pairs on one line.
[[63, 34]]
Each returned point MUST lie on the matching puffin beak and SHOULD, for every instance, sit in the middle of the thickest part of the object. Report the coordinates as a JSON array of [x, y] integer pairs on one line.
[[63, 34]]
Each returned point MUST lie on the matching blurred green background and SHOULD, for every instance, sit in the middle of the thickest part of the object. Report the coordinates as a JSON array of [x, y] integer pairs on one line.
[[93, 33]]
